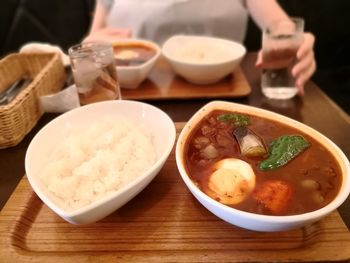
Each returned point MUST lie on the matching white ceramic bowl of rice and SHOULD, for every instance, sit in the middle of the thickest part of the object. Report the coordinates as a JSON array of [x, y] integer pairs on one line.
[[90, 161], [202, 60]]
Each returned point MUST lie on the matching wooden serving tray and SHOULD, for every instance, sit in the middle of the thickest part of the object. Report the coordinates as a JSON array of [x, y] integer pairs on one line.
[[163, 83], [164, 223]]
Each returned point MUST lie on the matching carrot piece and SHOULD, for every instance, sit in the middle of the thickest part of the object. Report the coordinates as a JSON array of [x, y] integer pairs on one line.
[[274, 195]]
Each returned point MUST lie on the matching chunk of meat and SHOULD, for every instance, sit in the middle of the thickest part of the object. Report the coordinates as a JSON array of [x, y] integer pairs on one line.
[[201, 142], [208, 131], [223, 141], [274, 195]]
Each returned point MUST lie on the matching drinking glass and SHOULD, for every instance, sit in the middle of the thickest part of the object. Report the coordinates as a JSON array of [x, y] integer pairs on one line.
[[280, 44], [94, 72]]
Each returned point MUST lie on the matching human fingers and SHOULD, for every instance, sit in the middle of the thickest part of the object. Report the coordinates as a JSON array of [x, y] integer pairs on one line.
[[304, 77], [306, 46], [89, 38], [306, 65], [108, 35], [122, 32], [303, 63], [258, 62]]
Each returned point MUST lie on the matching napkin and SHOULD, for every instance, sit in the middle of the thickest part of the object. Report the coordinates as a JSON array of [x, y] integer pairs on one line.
[[44, 47], [62, 101]]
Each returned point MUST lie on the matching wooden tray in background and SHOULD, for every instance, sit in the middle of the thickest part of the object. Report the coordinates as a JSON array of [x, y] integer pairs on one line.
[[164, 223], [163, 83]]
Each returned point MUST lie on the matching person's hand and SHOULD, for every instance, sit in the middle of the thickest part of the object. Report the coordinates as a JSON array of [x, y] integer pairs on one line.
[[108, 34], [306, 64]]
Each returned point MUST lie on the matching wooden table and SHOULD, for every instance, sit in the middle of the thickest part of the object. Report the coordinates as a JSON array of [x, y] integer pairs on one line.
[[314, 109]]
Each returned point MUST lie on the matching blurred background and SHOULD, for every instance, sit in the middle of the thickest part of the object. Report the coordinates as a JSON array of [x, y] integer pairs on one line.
[[66, 22]]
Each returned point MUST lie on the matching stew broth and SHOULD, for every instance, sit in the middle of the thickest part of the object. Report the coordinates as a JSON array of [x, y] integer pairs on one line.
[[133, 54], [313, 178]]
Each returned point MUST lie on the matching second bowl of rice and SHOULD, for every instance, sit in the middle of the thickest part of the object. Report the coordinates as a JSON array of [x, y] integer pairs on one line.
[[88, 162]]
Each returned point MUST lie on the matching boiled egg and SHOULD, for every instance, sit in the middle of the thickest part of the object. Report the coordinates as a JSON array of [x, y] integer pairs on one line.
[[126, 55], [232, 181]]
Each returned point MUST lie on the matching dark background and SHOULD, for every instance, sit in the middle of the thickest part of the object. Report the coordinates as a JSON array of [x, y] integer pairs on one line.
[[66, 22]]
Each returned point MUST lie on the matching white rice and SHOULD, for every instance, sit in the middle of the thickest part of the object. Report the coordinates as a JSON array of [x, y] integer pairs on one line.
[[97, 161], [201, 52]]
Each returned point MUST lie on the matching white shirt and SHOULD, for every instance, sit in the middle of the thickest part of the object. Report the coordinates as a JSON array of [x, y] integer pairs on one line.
[[158, 20]]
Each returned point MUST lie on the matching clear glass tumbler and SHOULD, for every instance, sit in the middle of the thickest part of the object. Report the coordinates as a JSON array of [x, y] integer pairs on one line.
[[94, 72], [280, 44]]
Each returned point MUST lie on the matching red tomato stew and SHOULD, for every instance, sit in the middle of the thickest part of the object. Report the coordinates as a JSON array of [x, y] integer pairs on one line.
[[259, 165], [132, 54]]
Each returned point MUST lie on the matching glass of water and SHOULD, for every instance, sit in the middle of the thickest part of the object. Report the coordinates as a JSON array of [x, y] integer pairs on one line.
[[280, 44], [94, 72]]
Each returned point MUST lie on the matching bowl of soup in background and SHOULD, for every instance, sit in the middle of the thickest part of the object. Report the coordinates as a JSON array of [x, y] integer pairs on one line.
[[202, 60], [243, 189], [135, 59]]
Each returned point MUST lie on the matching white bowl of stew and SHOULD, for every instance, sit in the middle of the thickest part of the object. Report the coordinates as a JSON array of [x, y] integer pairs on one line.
[[260, 170], [135, 58], [203, 60]]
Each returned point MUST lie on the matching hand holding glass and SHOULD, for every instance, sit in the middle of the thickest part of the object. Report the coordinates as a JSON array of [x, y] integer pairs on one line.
[[280, 44]]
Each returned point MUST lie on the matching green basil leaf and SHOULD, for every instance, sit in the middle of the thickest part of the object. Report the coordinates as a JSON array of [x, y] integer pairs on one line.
[[283, 150], [239, 120]]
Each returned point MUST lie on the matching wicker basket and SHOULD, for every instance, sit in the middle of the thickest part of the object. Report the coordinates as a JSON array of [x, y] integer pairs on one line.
[[19, 116]]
